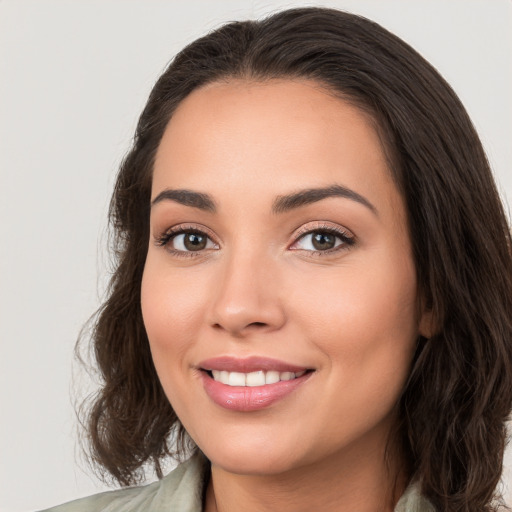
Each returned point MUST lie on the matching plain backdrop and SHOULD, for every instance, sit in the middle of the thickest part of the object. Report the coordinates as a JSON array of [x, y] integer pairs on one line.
[[74, 75]]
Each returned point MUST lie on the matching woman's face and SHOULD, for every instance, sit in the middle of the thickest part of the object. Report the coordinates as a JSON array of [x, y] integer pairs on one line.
[[279, 293]]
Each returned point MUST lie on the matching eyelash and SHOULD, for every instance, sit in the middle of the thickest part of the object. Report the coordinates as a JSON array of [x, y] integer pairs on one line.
[[164, 239], [347, 239]]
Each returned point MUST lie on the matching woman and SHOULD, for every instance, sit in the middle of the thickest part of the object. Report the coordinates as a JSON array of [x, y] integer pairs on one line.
[[312, 299]]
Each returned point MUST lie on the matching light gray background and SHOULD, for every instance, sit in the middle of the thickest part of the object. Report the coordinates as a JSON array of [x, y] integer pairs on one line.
[[74, 76]]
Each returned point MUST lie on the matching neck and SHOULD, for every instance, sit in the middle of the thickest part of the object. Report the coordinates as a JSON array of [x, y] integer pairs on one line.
[[347, 481]]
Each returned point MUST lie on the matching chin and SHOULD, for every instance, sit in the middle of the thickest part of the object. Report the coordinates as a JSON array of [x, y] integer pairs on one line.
[[257, 459]]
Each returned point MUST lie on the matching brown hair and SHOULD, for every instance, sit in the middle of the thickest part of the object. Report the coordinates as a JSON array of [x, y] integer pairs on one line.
[[454, 407]]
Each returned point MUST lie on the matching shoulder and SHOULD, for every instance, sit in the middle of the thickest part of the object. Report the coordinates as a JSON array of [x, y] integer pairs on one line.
[[181, 490], [413, 501]]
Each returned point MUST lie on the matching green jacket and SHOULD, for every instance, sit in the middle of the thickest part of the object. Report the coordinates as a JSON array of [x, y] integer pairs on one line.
[[181, 491]]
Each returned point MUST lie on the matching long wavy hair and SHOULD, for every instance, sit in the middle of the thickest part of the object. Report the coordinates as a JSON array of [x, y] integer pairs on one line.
[[453, 410]]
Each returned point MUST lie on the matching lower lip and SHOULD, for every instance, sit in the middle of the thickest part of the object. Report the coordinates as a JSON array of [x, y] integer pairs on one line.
[[246, 398]]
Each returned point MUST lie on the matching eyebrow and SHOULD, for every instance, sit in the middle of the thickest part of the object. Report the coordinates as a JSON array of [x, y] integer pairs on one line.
[[187, 198], [281, 204], [312, 195]]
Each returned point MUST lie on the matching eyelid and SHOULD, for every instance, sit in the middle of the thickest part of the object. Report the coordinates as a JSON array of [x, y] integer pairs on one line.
[[165, 236], [345, 235], [320, 225]]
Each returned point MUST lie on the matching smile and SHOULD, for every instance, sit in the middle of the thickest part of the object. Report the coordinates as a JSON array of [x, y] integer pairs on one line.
[[250, 384], [253, 379]]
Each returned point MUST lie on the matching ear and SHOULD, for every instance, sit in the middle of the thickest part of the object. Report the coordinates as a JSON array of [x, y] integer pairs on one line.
[[426, 325]]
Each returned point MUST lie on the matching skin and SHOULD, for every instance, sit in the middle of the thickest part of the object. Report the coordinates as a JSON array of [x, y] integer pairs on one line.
[[259, 287]]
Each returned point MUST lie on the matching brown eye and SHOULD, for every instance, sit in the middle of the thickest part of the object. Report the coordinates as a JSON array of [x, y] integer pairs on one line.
[[191, 241], [194, 241], [322, 241]]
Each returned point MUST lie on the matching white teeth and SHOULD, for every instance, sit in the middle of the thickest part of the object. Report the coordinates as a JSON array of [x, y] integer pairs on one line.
[[255, 379], [236, 379], [258, 378], [271, 377]]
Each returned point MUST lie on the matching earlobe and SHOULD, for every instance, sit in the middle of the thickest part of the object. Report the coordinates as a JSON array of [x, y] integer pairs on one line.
[[426, 326]]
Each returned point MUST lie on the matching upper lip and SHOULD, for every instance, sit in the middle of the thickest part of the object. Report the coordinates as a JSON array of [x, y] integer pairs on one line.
[[249, 364]]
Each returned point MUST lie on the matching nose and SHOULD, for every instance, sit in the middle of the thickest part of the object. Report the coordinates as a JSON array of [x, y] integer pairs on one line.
[[248, 297]]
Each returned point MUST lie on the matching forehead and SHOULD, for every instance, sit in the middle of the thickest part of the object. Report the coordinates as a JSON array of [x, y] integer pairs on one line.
[[275, 134], [296, 110]]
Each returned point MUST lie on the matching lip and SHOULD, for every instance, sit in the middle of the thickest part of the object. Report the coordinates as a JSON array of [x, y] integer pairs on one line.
[[249, 364], [246, 398]]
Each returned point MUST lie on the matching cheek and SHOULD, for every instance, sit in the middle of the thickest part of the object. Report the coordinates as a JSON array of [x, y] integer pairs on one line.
[[366, 327], [171, 309], [360, 300], [365, 321]]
